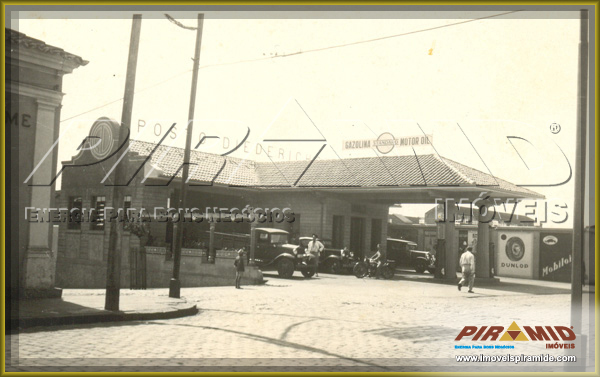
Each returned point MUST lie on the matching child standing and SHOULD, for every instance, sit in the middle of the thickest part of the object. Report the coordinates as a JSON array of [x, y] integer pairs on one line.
[[239, 267]]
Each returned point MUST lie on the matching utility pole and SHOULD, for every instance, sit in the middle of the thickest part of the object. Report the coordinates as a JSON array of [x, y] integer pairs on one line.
[[113, 272], [580, 157], [175, 284]]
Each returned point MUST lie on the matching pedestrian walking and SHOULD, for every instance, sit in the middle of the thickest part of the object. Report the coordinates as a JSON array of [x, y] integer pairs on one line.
[[315, 247], [239, 267], [467, 264]]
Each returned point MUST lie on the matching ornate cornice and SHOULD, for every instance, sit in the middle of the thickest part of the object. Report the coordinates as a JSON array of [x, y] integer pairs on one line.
[[15, 38]]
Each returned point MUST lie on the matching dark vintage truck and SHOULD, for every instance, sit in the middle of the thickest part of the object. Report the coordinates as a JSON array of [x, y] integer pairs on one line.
[[273, 251], [404, 254]]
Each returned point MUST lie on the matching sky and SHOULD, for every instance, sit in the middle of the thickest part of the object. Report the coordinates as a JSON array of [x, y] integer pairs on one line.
[[486, 91]]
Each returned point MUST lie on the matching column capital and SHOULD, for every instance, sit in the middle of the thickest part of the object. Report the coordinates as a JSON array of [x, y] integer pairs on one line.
[[46, 105]]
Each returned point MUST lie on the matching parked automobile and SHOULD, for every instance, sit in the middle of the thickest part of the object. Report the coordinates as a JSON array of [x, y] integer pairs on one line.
[[335, 261], [405, 254], [273, 252]]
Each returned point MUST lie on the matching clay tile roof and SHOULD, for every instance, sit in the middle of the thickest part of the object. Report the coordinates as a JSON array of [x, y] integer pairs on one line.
[[14, 37], [393, 171], [481, 178], [204, 168]]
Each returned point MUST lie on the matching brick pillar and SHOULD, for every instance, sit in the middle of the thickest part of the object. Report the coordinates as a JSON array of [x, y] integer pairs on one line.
[[482, 249], [211, 244], [451, 244], [421, 239], [252, 242]]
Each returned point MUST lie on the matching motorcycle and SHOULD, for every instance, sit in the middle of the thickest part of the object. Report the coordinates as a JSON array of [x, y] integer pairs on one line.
[[369, 268]]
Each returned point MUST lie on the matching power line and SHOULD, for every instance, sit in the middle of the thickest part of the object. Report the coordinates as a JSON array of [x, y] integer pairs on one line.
[[179, 23], [359, 42], [297, 52], [137, 92]]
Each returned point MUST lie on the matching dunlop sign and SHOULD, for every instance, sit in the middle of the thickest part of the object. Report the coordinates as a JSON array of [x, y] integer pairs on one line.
[[386, 142]]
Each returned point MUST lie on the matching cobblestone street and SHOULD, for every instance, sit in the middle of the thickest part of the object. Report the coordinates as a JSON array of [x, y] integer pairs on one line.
[[328, 322]]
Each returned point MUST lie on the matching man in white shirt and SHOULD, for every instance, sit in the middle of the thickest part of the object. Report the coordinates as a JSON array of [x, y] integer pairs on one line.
[[315, 247], [467, 264]]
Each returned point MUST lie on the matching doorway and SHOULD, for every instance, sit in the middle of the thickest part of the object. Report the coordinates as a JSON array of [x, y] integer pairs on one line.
[[357, 236]]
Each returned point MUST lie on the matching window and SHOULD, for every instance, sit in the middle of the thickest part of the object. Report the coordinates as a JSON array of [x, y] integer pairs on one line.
[[279, 238], [98, 203], [126, 205], [126, 201], [338, 232], [75, 207]]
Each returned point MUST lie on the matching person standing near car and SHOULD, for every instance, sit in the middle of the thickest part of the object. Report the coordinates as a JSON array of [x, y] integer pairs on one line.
[[467, 264], [239, 268], [315, 247]]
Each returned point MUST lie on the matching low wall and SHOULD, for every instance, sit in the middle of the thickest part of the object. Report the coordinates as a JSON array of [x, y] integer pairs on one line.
[[195, 271]]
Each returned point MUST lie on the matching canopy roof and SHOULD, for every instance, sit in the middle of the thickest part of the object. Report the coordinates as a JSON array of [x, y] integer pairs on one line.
[[418, 179]]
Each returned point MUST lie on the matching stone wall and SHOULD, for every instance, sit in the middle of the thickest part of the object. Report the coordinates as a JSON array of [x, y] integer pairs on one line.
[[195, 270]]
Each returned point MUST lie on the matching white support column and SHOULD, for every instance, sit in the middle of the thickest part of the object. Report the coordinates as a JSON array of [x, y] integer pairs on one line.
[[482, 256], [451, 244], [40, 262]]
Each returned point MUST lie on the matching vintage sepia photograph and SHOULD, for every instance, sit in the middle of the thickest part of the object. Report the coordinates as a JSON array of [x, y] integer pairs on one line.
[[300, 188]]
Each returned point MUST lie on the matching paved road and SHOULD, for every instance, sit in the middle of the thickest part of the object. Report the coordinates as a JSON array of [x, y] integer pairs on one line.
[[329, 323]]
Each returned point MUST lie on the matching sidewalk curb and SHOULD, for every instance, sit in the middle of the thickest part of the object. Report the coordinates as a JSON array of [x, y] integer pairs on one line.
[[17, 324]]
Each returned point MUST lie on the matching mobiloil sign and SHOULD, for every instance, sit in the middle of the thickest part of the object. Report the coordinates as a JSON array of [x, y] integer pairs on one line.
[[555, 256]]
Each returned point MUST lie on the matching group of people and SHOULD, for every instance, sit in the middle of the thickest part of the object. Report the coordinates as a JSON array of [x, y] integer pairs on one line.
[[315, 247]]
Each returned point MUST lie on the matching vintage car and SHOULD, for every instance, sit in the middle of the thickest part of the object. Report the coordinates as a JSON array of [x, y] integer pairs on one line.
[[335, 261], [404, 253], [274, 253]]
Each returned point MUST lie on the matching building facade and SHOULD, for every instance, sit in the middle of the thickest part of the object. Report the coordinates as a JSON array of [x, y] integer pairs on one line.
[[83, 245], [34, 73]]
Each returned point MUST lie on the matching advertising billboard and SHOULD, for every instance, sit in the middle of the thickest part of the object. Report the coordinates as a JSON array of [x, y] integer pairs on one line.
[[515, 254], [555, 256]]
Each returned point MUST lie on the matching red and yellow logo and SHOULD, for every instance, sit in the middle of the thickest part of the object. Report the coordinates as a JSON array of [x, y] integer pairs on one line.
[[515, 334]]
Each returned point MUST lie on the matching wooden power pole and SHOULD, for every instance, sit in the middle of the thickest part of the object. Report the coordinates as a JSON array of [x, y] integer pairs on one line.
[[175, 284], [113, 272]]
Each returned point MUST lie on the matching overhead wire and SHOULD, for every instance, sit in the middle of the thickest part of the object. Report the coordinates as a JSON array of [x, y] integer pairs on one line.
[[179, 24]]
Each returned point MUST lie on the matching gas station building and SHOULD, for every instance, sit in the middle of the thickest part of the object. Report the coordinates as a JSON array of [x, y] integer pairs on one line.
[[345, 201]]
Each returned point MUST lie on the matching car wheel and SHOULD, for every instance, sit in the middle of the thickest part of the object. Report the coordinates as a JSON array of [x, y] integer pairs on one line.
[[360, 270], [335, 267], [285, 268], [431, 270], [388, 273], [420, 267], [308, 273]]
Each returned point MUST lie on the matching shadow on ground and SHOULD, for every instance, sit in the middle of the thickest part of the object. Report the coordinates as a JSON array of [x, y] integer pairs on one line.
[[534, 289]]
